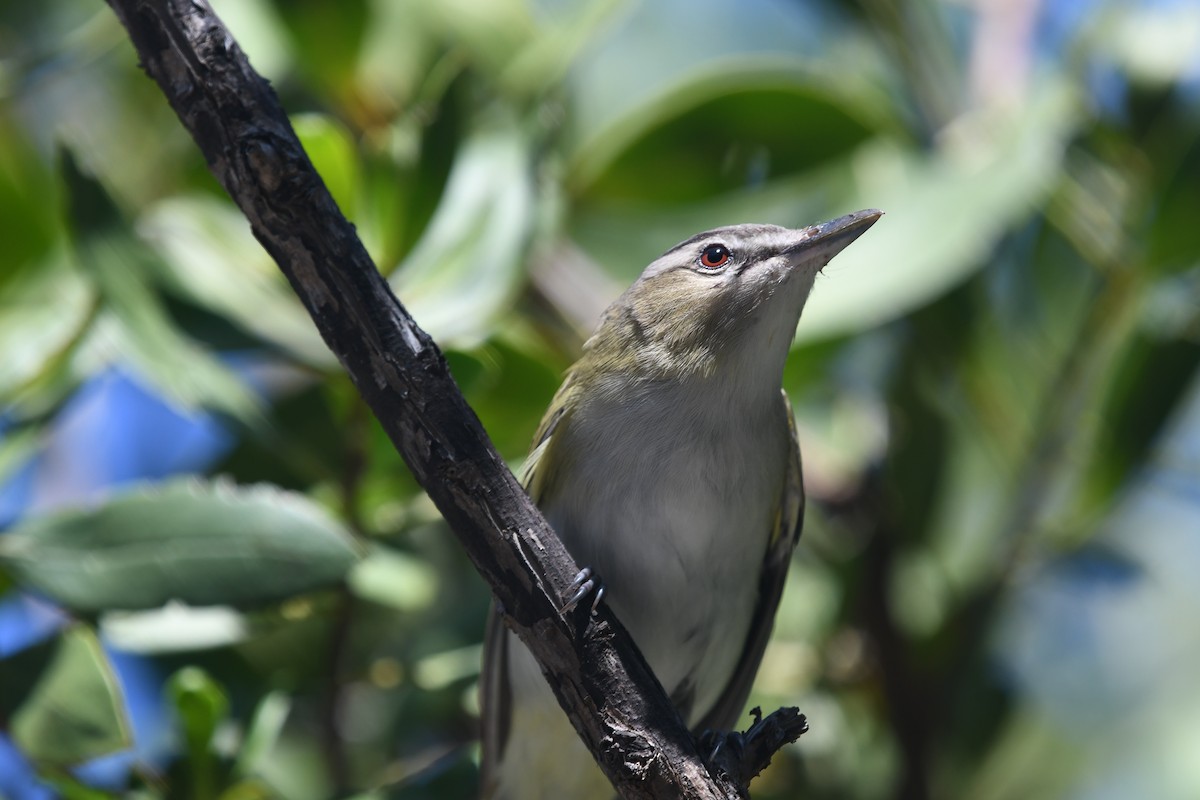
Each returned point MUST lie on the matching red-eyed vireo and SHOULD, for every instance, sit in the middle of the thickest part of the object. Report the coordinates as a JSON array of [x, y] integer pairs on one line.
[[668, 464]]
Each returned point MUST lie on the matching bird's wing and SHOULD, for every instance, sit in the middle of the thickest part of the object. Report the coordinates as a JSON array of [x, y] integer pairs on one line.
[[495, 696], [789, 518]]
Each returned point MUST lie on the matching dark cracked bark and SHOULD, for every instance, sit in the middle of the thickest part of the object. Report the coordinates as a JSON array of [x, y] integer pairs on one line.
[[599, 677]]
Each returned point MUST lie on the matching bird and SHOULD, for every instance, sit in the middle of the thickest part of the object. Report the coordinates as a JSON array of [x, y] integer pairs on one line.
[[668, 464]]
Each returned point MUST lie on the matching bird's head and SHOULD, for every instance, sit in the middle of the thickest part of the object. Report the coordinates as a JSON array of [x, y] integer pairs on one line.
[[722, 303]]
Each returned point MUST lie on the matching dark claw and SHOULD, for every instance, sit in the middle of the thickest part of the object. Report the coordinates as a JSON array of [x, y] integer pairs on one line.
[[584, 584], [715, 741]]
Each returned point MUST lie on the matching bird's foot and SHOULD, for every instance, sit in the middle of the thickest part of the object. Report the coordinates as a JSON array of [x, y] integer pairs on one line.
[[585, 583]]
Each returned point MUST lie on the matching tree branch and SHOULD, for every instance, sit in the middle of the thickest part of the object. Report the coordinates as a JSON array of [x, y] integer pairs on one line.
[[598, 675]]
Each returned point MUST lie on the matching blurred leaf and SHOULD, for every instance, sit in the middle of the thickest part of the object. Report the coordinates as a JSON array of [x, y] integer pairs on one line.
[[140, 329], [723, 132], [396, 52], [75, 712], [29, 225], [210, 254], [247, 790], [260, 33], [1173, 242], [1018, 765], [295, 769], [326, 39], [263, 732], [467, 267], [332, 151], [511, 392], [69, 788], [657, 60], [201, 706], [17, 447], [442, 669], [173, 628], [1154, 42], [943, 216], [199, 543], [200, 703], [21, 671], [44, 314], [543, 62], [393, 578], [492, 33]]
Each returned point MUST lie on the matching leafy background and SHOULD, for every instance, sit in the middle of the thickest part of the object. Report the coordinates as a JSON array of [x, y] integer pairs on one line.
[[217, 580]]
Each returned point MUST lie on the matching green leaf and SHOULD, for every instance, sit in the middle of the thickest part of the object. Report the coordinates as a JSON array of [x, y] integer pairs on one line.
[[466, 269], [17, 447], [20, 673], [263, 732], [210, 256], [943, 215], [776, 120], [201, 706], [201, 543], [174, 628], [71, 788], [326, 39], [29, 225], [44, 312], [248, 790], [331, 150], [394, 578], [75, 711], [136, 324], [1154, 43], [491, 34], [776, 72]]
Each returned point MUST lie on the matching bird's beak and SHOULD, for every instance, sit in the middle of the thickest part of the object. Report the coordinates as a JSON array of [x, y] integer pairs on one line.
[[816, 245]]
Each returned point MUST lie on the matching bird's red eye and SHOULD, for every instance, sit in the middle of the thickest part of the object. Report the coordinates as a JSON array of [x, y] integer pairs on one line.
[[714, 256]]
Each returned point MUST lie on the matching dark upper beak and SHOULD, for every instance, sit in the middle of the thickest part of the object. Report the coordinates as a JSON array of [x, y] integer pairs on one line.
[[820, 243]]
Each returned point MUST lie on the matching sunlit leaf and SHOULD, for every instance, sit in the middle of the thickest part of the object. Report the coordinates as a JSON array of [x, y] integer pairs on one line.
[[199, 543], [331, 149], [658, 60], [943, 215], [75, 711], [210, 254], [173, 628], [259, 31], [44, 313], [735, 129], [265, 727], [200, 703], [138, 327], [1154, 42], [467, 267], [393, 578], [492, 33]]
